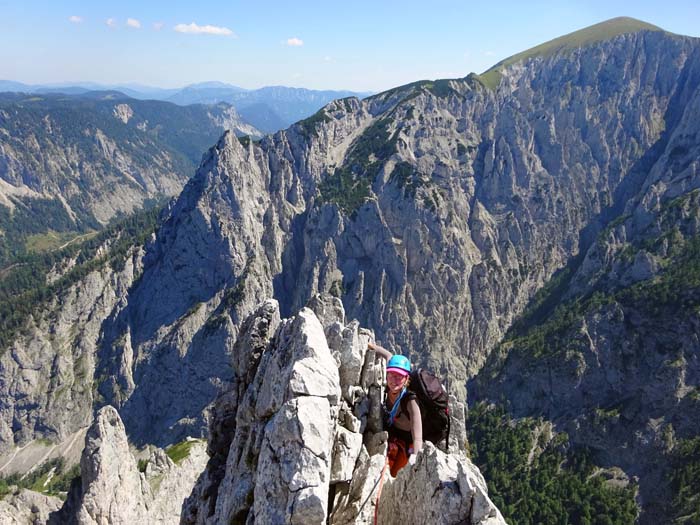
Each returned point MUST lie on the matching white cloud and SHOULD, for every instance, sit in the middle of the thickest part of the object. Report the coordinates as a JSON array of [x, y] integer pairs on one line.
[[489, 53], [75, 19], [111, 22], [194, 29], [158, 26], [328, 59], [295, 42], [132, 22]]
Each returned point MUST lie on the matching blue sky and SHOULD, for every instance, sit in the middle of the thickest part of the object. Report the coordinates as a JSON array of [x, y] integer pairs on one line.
[[360, 45]]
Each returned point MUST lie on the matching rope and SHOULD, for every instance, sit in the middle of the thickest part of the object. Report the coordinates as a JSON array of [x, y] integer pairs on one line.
[[371, 491], [379, 494]]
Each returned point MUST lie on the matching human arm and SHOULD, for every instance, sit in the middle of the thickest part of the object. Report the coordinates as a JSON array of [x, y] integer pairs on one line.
[[416, 426], [380, 351]]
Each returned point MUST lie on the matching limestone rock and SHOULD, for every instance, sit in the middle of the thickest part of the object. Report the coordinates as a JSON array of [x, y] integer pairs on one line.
[[298, 446], [27, 508], [113, 491], [172, 483], [439, 488], [470, 198]]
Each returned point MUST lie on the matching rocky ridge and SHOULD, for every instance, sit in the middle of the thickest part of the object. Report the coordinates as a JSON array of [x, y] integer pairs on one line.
[[433, 190], [298, 437], [68, 163]]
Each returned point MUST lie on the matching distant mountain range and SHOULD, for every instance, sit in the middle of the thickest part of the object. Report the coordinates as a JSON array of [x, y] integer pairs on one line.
[[269, 109], [72, 163]]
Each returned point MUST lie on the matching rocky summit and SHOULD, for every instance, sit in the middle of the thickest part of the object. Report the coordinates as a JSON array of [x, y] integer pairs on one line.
[[297, 438], [435, 212]]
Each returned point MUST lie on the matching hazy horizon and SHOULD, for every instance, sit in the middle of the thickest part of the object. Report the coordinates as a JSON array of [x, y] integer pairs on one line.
[[364, 47]]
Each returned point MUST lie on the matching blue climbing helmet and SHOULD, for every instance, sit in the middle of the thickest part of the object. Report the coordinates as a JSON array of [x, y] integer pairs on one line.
[[399, 364]]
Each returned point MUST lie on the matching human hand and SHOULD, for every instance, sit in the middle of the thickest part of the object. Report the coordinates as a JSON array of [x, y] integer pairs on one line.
[[412, 459]]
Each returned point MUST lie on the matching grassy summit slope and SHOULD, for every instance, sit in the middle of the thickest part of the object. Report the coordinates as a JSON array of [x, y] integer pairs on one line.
[[589, 35]]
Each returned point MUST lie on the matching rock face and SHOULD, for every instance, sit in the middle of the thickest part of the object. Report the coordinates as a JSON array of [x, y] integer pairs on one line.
[[27, 508], [434, 211], [68, 163], [304, 442], [113, 491], [469, 193], [620, 371], [47, 374]]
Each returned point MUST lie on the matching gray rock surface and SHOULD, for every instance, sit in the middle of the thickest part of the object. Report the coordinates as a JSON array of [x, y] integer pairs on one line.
[[439, 488], [27, 507], [301, 444], [47, 376], [622, 377], [113, 491], [471, 199]]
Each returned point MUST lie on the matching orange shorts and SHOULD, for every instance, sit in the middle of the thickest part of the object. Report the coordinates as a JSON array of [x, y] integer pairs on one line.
[[397, 454]]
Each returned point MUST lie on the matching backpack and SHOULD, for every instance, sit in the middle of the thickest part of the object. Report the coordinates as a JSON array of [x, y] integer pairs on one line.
[[434, 405]]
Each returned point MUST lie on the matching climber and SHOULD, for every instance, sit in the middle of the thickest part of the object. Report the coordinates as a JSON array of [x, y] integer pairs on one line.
[[402, 413]]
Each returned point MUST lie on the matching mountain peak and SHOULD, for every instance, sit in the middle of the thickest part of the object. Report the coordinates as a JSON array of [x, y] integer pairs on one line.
[[586, 36]]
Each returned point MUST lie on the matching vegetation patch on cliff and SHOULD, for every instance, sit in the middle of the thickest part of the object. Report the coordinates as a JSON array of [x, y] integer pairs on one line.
[[25, 290], [308, 126], [179, 452], [535, 478], [349, 185], [685, 481], [52, 477]]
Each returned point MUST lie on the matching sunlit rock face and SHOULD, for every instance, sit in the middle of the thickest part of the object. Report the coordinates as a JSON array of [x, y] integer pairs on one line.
[[112, 489], [298, 438], [434, 212]]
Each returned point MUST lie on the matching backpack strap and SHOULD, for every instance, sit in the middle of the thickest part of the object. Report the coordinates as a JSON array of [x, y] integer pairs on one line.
[[396, 406]]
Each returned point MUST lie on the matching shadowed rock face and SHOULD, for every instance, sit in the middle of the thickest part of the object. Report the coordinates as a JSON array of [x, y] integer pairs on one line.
[[307, 445], [473, 195], [434, 211], [621, 376]]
